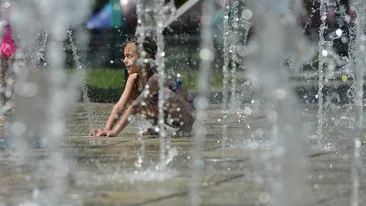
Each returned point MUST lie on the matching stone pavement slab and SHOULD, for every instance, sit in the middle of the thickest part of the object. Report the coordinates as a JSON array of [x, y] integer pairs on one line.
[[104, 171]]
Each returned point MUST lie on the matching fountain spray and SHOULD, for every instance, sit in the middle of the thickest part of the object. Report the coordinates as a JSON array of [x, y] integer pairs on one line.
[[276, 33], [358, 100], [207, 56]]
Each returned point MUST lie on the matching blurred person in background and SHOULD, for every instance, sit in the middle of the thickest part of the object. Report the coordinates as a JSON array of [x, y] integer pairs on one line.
[[8, 49]]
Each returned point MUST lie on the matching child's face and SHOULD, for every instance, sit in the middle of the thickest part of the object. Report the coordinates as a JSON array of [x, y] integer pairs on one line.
[[131, 58]]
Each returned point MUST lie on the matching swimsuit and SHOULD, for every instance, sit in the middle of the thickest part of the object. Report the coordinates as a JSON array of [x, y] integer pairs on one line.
[[154, 98], [176, 85], [8, 46]]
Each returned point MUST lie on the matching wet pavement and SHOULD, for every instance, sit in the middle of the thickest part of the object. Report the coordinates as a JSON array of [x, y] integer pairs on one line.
[[105, 171]]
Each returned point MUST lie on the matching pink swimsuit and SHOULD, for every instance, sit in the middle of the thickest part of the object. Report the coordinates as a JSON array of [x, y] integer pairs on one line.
[[8, 46]]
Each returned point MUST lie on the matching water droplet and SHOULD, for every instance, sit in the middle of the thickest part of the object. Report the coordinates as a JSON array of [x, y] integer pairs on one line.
[[339, 32], [362, 47], [347, 18], [344, 78], [325, 53], [156, 129], [201, 115], [7, 5], [206, 54], [131, 118], [345, 157], [264, 197], [198, 164], [247, 14], [247, 110], [242, 50], [35, 194], [363, 38], [358, 143], [344, 40], [280, 93], [18, 129], [58, 128]]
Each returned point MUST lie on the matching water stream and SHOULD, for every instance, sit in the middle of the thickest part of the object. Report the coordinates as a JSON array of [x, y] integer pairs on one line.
[[358, 101], [233, 49], [81, 73], [207, 56], [225, 71], [52, 17], [321, 59], [274, 28], [161, 17]]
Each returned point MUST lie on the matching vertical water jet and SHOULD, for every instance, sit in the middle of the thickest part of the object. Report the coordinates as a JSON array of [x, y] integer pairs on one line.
[[360, 53], [206, 58]]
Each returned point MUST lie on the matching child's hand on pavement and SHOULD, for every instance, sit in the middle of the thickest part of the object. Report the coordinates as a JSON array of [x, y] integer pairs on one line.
[[94, 132], [102, 132], [107, 133]]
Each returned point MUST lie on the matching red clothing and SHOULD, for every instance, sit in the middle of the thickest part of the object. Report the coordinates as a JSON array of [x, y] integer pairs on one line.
[[8, 46]]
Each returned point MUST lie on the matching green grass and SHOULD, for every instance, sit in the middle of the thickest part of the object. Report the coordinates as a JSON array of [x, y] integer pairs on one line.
[[105, 78], [189, 79], [114, 78]]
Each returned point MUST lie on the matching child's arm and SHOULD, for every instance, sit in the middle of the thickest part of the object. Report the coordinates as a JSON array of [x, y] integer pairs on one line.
[[137, 106], [121, 104], [118, 109], [122, 123]]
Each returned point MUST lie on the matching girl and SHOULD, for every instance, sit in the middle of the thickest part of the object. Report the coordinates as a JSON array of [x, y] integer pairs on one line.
[[140, 96]]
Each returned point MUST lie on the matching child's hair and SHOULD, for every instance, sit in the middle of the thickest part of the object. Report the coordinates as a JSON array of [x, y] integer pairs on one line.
[[149, 45]]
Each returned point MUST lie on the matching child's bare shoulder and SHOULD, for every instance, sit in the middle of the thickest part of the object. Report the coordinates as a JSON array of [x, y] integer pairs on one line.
[[131, 81], [132, 76]]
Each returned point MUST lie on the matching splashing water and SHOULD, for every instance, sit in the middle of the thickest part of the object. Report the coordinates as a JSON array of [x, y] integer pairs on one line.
[[225, 71], [207, 56], [53, 17], [274, 30], [322, 55], [140, 30], [236, 31], [80, 69], [151, 18], [235, 38], [358, 100], [240, 25], [141, 152], [265, 68], [161, 17]]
